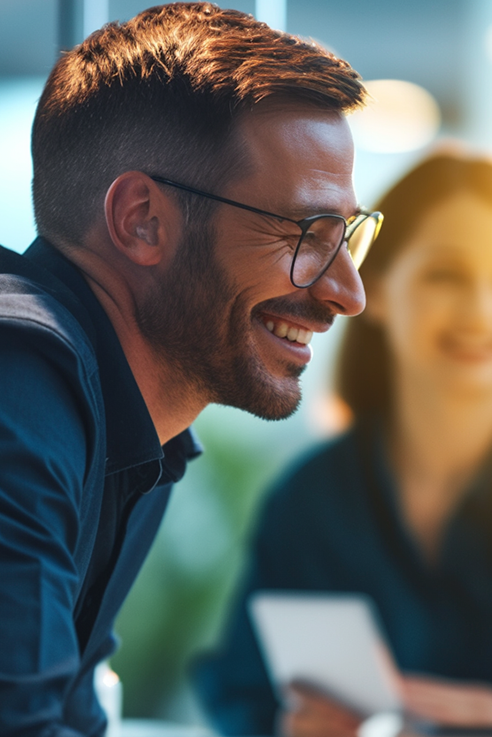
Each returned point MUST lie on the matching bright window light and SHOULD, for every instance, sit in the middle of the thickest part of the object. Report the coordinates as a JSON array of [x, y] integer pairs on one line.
[[400, 116], [488, 43], [96, 14], [272, 12]]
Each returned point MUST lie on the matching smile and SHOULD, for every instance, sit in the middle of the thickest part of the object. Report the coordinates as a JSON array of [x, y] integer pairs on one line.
[[282, 329], [468, 350]]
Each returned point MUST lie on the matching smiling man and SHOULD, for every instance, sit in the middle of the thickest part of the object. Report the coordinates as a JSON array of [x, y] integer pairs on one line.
[[197, 223]]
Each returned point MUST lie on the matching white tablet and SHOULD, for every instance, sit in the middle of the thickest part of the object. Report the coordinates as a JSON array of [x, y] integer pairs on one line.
[[332, 641]]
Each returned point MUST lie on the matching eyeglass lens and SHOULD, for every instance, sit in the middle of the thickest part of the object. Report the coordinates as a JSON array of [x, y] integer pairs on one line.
[[321, 242], [361, 240], [317, 248]]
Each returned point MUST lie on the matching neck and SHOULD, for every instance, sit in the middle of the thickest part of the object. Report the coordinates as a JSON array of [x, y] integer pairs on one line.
[[437, 441], [443, 432], [172, 403]]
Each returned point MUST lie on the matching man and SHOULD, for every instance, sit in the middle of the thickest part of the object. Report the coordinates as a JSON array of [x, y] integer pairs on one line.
[[180, 159]]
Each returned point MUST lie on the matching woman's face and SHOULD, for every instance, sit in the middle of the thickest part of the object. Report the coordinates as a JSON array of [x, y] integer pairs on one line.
[[435, 299]]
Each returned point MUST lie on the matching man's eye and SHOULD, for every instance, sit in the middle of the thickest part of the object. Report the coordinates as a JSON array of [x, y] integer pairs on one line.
[[311, 237], [291, 240]]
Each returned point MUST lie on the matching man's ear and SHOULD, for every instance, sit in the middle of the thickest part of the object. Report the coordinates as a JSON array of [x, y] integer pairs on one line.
[[142, 222]]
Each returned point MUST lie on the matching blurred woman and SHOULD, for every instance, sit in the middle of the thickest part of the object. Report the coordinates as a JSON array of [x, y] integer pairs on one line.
[[400, 506]]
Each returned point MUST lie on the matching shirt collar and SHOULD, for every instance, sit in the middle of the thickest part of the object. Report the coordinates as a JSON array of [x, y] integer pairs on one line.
[[131, 436]]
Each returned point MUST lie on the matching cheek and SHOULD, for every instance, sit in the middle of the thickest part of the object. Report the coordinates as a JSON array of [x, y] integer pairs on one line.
[[415, 321], [257, 274], [253, 259], [262, 267]]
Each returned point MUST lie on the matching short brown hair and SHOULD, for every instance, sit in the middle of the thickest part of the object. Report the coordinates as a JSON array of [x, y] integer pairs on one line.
[[364, 372], [160, 94]]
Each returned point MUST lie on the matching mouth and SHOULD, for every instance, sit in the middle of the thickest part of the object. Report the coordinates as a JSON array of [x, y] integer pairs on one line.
[[288, 331], [294, 322], [468, 350]]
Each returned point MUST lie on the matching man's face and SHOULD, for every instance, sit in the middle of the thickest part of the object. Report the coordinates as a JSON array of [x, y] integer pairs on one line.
[[228, 302]]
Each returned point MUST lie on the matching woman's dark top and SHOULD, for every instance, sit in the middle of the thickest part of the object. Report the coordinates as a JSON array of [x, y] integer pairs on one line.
[[334, 524]]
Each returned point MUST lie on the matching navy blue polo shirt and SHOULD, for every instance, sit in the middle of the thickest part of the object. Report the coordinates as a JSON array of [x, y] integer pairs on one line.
[[84, 483]]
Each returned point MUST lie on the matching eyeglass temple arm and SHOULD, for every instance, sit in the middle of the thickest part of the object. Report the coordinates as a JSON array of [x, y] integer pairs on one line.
[[217, 197]]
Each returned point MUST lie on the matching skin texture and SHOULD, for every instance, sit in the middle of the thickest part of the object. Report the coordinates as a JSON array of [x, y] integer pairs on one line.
[[435, 303], [248, 281], [313, 715], [189, 304], [451, 704]]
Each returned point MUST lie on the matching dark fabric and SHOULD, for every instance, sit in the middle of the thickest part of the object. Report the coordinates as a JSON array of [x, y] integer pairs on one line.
[[333, 524], [84, 483]]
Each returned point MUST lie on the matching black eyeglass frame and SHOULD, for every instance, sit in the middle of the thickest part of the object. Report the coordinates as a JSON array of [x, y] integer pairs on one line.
[[350, 225]]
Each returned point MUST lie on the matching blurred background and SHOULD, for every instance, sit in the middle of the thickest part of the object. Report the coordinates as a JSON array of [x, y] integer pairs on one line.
[[429, 69]]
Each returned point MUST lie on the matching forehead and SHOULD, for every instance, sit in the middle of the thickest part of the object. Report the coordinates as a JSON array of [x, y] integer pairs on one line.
[[457, 231], [461, 224], [299, 156]]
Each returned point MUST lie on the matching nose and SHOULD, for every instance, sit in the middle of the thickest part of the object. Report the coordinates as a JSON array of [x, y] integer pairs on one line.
[[341, 286]]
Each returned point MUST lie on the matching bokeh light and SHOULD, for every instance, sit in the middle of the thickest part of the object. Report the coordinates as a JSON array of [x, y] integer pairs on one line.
[[400, 116]]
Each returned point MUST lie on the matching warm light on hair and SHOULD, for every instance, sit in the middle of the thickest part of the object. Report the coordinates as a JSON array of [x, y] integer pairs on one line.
[[162, 93]]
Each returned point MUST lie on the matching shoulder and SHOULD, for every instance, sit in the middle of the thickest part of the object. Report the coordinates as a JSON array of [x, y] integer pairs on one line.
[[326, 463], [43, 341], [326, 479], [52, 402], [35, 304]]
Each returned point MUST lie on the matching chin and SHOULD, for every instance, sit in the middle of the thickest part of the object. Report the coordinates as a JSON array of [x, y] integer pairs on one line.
[[278, 408], [471, 380], [264, 396]]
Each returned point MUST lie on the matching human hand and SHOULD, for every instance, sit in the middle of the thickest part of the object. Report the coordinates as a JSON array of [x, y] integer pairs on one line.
[[446, 702], [310, 713]]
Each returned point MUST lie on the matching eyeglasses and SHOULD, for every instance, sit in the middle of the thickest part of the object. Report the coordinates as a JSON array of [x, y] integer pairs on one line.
[[320, 239]]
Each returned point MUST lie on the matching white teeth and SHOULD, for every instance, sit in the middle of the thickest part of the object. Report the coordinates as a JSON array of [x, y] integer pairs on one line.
[[304, 336], [283, 330]]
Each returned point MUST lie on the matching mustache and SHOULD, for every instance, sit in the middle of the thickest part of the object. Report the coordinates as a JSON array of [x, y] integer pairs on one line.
[[310, 311]]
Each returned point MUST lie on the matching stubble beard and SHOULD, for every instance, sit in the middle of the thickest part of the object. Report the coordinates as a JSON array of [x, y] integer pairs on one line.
[[201, 331]]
